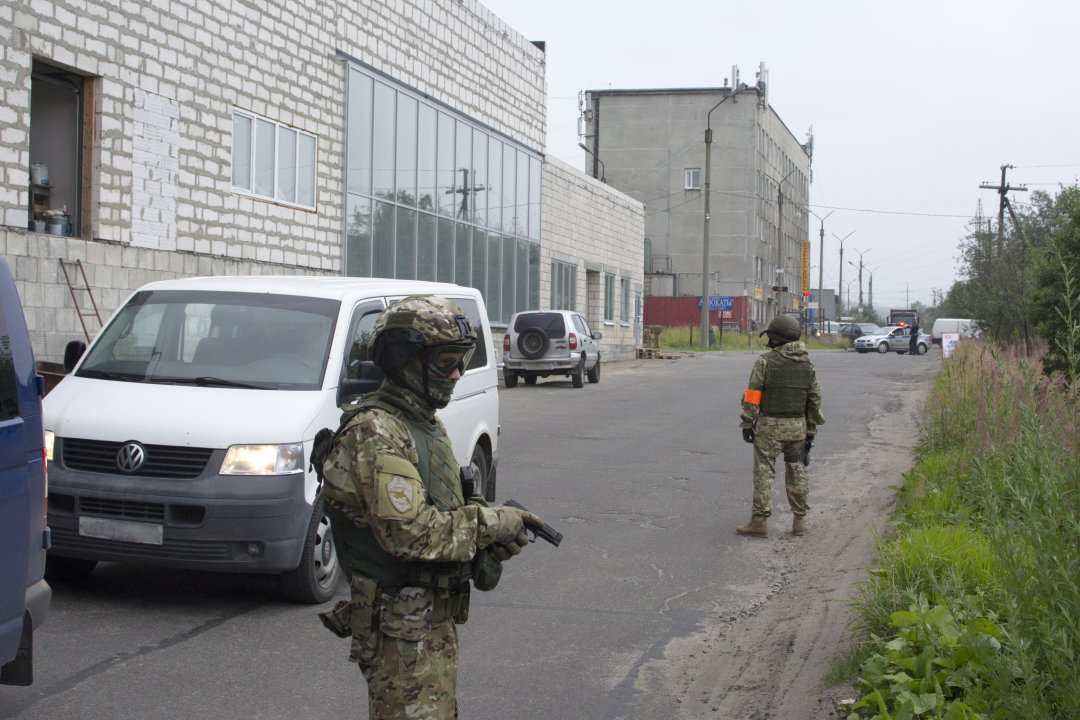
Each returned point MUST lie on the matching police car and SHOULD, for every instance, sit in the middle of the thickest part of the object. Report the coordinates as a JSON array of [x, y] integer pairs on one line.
[[896, 338]]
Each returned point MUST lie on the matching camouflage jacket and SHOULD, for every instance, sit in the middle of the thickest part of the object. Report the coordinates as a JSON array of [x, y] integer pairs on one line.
[[759, 377], [373, 478]]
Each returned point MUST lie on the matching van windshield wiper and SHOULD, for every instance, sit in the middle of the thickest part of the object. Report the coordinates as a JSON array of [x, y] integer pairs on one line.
[[107, 375], [205, 381]]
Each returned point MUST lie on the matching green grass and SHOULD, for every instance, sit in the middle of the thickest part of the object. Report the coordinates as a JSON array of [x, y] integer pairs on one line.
[[678, 338], [987, 525]]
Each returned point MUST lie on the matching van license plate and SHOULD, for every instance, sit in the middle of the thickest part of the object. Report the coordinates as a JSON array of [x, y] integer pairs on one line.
[[121, 530]]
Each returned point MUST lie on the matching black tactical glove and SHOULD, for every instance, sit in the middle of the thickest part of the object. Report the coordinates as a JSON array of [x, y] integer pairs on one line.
[[748, 434], [807, 444], [504, 551]]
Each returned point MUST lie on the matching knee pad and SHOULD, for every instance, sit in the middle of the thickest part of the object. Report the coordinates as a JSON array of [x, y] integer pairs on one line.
[[793, 458]]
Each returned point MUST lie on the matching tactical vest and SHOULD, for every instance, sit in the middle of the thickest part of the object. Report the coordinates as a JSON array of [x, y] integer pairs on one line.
[[784, 395], [359, 551]]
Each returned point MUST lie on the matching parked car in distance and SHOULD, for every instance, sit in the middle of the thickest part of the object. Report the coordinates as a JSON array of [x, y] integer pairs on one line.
[[825, 327], [895, 339], [966, 328], [854, 331], [181, 434], [550, 342], [24, 537]]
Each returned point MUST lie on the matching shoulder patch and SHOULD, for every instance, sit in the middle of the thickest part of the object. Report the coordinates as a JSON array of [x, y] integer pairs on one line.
[[399, 489]]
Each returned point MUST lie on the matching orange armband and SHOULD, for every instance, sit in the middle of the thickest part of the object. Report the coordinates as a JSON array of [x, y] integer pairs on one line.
[[753, 397]]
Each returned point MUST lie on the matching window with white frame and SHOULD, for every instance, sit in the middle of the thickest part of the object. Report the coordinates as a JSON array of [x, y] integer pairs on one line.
[[624, 315], [273, 161], [609, 298], [692, 179]]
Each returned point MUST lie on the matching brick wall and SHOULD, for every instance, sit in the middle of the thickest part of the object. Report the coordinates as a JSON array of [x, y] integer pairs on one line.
[[199, 59], [590, 224]]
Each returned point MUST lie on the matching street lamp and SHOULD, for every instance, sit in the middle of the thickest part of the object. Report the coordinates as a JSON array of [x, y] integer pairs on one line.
[[860, 271], [841, 283], [705, 243], [603, 170], [821, 261]]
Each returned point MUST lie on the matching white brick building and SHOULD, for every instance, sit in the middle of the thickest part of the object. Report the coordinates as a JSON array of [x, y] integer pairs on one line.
[[228, 137]]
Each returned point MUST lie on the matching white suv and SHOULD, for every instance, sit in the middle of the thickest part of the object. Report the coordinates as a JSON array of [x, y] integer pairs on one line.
[[550, 342]]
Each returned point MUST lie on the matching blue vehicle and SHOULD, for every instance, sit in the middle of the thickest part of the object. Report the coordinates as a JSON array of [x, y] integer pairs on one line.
[[24, 538]]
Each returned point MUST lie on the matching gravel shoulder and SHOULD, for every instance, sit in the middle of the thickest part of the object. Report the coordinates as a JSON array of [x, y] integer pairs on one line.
[[769, 657]]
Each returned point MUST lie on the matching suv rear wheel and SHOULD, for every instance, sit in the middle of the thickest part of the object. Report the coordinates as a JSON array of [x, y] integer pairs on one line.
[[510, 378], [530, 379], [594, 374], [533, 342], [578, 376]]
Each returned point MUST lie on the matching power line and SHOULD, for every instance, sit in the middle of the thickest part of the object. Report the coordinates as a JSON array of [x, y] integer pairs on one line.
[[1046, 166], [888, 212]]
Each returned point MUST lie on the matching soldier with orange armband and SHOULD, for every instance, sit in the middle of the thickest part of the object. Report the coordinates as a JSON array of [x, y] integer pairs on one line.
[[781, 411]]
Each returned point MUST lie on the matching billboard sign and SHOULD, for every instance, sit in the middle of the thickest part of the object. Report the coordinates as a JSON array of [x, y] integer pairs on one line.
[[718, 302]]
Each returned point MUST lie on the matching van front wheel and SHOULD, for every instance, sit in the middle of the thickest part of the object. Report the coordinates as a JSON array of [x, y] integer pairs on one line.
[[316, 578], [478, 463]]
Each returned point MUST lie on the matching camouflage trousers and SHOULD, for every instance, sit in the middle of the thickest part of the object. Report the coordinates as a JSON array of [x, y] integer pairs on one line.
[[774, 437], [414, 679]]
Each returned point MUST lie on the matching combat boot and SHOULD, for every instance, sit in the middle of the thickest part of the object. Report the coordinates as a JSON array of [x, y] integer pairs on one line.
[[757, 527], [798, 527]]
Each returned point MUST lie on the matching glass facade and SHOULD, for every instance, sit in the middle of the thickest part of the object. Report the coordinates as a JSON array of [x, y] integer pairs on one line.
[[431, 195], [563, 284]]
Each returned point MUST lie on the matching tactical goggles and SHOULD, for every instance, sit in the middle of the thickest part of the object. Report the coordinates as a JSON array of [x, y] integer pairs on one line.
[[444, 359]]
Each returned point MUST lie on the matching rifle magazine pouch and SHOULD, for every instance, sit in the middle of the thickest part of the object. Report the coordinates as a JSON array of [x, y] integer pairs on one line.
[[407, 615], [337, 619], [486, 570], [363, 620]]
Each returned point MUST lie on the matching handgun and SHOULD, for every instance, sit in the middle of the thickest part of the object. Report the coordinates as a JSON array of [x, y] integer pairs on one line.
[[546, 533]]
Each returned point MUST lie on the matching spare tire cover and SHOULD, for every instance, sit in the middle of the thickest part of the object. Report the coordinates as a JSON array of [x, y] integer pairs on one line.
[[533, 342]]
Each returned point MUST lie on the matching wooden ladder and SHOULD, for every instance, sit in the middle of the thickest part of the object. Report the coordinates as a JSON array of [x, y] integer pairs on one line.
[[85, 286]]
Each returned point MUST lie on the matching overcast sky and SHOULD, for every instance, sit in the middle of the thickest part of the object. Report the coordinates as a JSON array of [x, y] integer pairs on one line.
[[913, 104]]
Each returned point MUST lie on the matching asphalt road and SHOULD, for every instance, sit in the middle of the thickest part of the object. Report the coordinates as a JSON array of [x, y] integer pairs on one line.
[[645, 474]]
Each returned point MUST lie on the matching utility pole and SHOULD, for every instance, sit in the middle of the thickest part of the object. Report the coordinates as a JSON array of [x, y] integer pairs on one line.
[[871, 299], [821, 265], [840, 285], [1001, 189], [860, 272], [779, 238], [705, 241]]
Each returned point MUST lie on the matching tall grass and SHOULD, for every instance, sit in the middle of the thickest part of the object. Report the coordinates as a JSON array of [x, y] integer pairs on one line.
[[678, 338], [991, 514]]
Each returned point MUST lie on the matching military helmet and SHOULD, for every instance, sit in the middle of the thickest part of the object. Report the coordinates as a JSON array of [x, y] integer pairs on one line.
[[784, 328], [432, 328]]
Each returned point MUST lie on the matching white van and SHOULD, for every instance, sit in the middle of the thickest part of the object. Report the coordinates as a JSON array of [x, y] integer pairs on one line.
[[966, 328], [180, 437]]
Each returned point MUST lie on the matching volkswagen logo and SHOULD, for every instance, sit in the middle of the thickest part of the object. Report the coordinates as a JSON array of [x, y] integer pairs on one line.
[[131, 457]]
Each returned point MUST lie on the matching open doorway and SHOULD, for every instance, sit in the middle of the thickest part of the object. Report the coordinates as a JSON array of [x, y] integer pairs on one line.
[[60, 143]]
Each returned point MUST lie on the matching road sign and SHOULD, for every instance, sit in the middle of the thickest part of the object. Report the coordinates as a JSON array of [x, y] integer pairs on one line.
[[812, 305], [718, 302]]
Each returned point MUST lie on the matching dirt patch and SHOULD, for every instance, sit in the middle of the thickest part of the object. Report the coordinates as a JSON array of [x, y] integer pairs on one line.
[[766, 659]]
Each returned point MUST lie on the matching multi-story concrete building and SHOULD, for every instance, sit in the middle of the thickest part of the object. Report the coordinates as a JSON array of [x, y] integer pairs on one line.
[[650, 144], [197, 137]]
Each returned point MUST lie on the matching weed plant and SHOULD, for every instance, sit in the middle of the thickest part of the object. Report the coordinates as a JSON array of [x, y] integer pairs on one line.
[[988, 528]]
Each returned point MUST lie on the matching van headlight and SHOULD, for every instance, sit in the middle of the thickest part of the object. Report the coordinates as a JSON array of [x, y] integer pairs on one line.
[[50, 440], [264, 460]]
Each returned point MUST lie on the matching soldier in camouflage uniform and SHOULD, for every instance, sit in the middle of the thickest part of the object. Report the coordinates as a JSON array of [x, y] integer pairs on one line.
[[781, 411], [405, 535]]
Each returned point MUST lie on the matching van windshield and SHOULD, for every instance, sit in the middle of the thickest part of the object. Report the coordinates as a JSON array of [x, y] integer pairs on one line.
[[216, 339]]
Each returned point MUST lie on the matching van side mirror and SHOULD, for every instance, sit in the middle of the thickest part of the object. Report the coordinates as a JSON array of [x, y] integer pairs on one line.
[[368, 379], [72, 353], [597, 336]]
